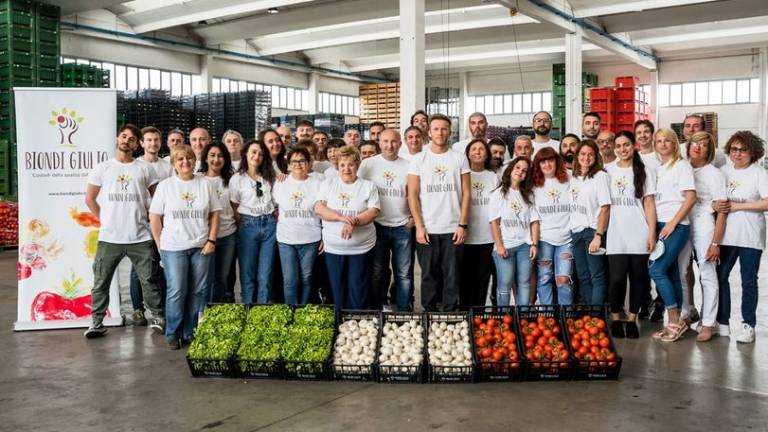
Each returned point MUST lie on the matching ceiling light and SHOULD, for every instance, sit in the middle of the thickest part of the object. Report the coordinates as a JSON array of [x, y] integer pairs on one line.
[[273, 11]]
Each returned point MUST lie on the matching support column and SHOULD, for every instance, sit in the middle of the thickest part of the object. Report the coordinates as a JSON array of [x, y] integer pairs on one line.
[[763, 56], [412, 77], [314, 93], [206, 77], [573, 82], [655, 97], [463, 108]]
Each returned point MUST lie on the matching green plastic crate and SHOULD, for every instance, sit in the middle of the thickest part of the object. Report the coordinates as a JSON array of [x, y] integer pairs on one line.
[[48, 74], [7, 30], [16, 71], [48, 23], [48, 83], [49, 49], [46, 10], [15, 17], [26, 6], [15, 44], [8, 84], [47, 61], [15, 58], [49, 37]]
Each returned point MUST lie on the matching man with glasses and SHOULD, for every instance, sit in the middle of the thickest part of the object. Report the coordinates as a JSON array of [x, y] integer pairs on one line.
[[605, 140], [542, 126]]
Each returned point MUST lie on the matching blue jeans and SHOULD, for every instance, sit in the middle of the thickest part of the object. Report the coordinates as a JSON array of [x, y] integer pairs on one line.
[[516, 267], [187, 273], [297, 262], [137, 297], [256, 244], [393, 244], [664, 271], [218, 274], [549, 274], [350, 279], [749, 261], [590, 269]]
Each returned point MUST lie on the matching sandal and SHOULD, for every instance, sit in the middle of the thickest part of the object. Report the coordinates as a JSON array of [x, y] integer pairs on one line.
[[660, 334], [705, 334], [676, 331]]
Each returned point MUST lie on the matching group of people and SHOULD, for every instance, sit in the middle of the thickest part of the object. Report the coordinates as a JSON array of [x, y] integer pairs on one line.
[[590, 219]]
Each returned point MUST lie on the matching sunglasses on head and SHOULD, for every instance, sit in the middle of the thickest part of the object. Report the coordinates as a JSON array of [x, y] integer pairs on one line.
[[259, 190]]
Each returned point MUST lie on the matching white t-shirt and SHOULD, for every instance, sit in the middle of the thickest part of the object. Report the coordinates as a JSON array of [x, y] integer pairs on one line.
[[391, 179], [745, 228], [671, 183], [278, 171], [162, 168], [243, 191], [628, 229], [185, 206], [405, 153], [481, 186], [553, 203], [461, 147], [516, 217], [651, 160], [710, 187], [349, 200], [553, 144], [331, 172], [236, 165], [227, 224], [440, 188], [124, 198], [587, 198], [321, 166], [297, 222]]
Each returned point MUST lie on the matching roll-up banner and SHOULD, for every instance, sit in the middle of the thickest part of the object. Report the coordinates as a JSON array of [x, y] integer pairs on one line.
[[62, 134]]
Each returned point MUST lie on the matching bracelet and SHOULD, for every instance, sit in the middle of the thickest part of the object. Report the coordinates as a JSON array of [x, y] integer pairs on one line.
[[599, 234], [715, 244], [464, 226], [211, 241]]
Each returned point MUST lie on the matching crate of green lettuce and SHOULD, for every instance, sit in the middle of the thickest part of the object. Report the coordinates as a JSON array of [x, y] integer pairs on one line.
[[216, 340], [307, 347], [259, 353]]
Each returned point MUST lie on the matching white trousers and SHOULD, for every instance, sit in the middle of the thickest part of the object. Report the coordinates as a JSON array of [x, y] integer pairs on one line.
[[702, 230]]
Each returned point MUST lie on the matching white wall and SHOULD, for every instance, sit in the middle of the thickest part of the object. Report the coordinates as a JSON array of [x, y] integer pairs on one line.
[[339, 86], [262, 74]]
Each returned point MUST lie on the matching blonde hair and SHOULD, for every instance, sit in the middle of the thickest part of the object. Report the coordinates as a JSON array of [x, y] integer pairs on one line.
[[698, 136], [670, 135], [348, 152], [180, 151]]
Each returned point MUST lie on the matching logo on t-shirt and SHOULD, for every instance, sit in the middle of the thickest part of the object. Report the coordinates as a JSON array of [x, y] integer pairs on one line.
[[478, 200], [297, 198], [516, 208], [621, 184], [188, 198], [440, 171], [124, 180], [344, 198], [389, 177], [554, 194], [575, 193], [732, 186]]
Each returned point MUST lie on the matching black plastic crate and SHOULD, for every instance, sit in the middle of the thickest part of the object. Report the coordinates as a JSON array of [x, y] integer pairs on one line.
[[543, 370], [402, 373], [450, 374], [210, 368], [307, 371], [594, 369], [492, 370], [346, 372], [258, 369]]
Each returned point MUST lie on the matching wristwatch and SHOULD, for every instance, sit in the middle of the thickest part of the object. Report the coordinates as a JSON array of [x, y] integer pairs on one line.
[[465, 226], [211, 241]]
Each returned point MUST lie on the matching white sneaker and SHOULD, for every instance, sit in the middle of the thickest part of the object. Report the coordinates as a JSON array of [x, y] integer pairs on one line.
[[386, 308], [747, 334], [723, 330]]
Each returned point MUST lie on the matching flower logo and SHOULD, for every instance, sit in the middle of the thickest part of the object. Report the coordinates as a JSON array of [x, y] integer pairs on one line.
[[479, 187], [516, 208], [67, 123], [124, 180], [389, 177], [344, 197], [189, 198], [440, 171], [732, 186], [621, 184], [575, 193], [297, 198], [554, 194]]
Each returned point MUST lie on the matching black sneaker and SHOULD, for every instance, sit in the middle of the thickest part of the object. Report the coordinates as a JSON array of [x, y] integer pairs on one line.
[[174, 344], [617, 329], [95, 331], [631, 330], [658, 313]]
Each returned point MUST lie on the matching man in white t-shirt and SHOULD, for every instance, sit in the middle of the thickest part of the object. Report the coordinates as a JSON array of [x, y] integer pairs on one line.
[[394, 225], [352, 137], [285, 135], [478, 126], [524, 147], [304, 130], [498, 150], [118, 193], [542, 126], [374, 130], [198, 139], [605, 140], [439, 198], [590, 125]]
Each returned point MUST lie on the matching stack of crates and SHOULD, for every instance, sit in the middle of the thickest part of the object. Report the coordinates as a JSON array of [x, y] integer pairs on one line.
[[631, 103], [29, 57], [603, 102], [380, 102], [79, 75], [588, 81]]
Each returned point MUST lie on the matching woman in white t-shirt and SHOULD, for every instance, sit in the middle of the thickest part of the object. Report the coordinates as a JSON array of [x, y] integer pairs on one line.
[[631, 234], [184, 218], [334, 144], [298, 227], [216, 167], [591, 209], [744, 239], [476, 261], [348, 205], [234, 142], [675, 196], [276, 149], [515, 230], [707, 228], [552, 199], [250, 191]]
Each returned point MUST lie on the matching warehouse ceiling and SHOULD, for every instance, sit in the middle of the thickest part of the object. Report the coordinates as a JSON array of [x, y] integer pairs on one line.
[[363, 35]]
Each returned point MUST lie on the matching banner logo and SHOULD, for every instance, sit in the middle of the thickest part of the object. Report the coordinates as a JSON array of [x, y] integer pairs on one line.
[[68, 123]]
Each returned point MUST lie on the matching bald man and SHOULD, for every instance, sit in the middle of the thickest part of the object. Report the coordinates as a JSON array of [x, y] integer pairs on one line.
[[285, 135], [198, 139]]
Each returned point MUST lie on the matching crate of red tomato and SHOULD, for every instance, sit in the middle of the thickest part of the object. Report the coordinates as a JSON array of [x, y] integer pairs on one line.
[[498, 351], [545, 343], [593, 349], [9, 223]]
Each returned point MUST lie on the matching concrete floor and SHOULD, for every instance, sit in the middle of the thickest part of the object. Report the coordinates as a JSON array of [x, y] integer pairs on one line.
[[129, 381]]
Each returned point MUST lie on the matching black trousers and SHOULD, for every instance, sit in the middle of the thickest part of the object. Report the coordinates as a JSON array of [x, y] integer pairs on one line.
[[439, 261], [476, 265], [634, 267]]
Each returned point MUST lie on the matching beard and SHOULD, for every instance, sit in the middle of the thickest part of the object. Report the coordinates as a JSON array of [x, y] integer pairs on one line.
[[496, 162], [567, 156], [542, 130]]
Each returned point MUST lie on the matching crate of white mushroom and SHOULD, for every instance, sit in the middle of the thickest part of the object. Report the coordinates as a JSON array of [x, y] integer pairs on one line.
[[449, 347], [354, 355], [402, 339]]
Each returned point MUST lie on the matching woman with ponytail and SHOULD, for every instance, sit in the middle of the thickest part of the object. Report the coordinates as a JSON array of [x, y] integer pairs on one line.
[[631, 233]]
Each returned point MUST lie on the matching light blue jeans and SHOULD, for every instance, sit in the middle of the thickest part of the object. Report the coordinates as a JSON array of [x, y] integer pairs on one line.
[[395, 245], [562, 258], [186, 273], [256, 247], [516, 267], [297, 262], [664, 271], [216, 288]]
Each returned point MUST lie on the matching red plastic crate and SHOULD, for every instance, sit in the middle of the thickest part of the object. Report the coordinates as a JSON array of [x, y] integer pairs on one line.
[[602, 105], [606, 117], [626, 81], [626, 118], [625, 106], [626, 94], [624, 127], [601, 93]]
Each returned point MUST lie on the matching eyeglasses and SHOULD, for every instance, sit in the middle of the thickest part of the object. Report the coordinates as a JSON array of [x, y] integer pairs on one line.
[[298, 162], [542, 120], [259, 190], [738, 150]]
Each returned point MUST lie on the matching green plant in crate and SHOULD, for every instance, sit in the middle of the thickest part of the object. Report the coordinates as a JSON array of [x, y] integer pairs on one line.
[[217, 336], [314, 316], [306, 344], [264, 332]]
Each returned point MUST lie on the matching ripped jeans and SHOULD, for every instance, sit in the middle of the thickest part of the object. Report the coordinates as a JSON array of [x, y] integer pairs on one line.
[[558, 274]]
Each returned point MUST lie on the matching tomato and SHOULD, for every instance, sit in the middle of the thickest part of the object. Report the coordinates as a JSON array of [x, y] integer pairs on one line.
[[478, 321], [507, 318], [593, 330], [497, 356], [487, 352], [605, 342]]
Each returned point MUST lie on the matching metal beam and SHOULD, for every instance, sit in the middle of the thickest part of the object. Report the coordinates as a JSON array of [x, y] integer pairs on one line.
[[634, 6], [546, 12]]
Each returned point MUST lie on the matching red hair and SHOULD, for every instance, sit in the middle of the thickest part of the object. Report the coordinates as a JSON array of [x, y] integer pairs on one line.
[[544, 154]]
